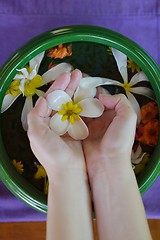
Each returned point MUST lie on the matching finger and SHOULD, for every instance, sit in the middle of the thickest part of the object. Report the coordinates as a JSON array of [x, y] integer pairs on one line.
[[60, 83], [119, 103], [76, 76], [38, 118], [125, 118]]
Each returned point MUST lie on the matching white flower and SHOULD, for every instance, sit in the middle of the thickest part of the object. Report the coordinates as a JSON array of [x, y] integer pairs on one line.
[[67, 118], [137, 156], [26, 82], [129, 86]]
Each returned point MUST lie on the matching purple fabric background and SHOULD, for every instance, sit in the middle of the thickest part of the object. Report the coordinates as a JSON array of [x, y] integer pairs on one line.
[[22, 20]]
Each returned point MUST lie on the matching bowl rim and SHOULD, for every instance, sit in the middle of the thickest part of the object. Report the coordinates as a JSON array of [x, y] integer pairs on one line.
[[44, 41]]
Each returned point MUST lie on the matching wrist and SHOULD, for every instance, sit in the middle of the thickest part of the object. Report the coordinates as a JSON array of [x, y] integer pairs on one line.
[[110, 168], [66, 176]]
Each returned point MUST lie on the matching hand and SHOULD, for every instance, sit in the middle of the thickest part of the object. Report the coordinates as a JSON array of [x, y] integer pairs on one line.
[[55, 152], [111, 135]]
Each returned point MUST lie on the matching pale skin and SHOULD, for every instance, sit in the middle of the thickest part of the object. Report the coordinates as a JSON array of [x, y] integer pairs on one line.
[[102, 159]]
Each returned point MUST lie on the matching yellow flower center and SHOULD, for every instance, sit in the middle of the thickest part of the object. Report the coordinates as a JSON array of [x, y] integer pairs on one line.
[[133, 66], [70, 111], [126, 87], [31, 85], [14, 88]]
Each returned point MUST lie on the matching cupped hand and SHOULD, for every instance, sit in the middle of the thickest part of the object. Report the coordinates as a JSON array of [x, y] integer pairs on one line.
[[55, 152], [111, 136]]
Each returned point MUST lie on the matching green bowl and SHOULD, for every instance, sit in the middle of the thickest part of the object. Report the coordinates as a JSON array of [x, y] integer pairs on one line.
[[17, 184]]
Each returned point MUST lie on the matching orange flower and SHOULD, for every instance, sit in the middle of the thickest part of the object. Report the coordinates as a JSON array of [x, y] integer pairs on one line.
[[60, 51], [150, 133], [149, 111], [51, 65]]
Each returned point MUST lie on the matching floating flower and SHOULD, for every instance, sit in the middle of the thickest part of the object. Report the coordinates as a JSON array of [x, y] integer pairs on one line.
[[67, 118], [137, 155], [60, 51], [18, 165], [133, 66], [149, 133], [41, 173], [27, 81], [129, 86], [149, 111]]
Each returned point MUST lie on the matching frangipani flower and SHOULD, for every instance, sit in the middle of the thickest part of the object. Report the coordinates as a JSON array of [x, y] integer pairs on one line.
[[27, 81], [129, 86], [137, 156], [67, 118]]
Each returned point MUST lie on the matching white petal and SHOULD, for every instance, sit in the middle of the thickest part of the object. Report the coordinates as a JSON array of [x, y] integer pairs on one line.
[[92, 82], [23, 75], [135, 105], [121, 58], [124, 73], [28, 106], [8, 100], [138, 77], [36, 61], [56, 98], [82, 93], [40, 93], [55, 72], [57, 125], [143, 91], [78, 130], [139, 159], [87, 86], [22, 83], [102, 90], [137, 153], [91, 107], [33, 73]]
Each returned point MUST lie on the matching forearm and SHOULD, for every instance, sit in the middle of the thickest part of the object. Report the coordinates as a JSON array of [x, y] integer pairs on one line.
[[69, 207], [119, 209]]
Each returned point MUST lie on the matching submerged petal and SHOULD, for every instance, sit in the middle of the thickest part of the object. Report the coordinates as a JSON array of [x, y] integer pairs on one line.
[[138, 77], [28, 106], [56, 98], [57, 125], [143, 91], [91, 107], [121, 58], [55, 72], [135, 105], [124, 73], [8, 100], [78, 130], [36, 61]]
